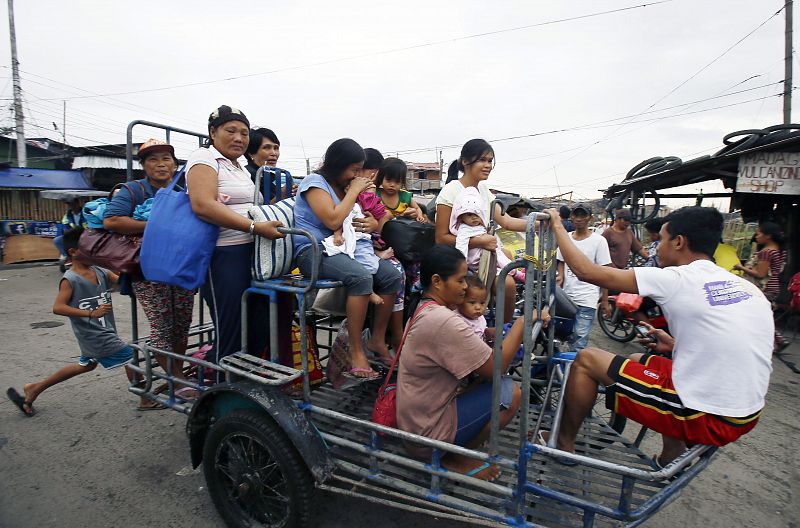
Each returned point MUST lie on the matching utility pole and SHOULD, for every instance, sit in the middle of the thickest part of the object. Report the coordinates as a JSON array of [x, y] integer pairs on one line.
[[787, 62], [64, 125], [308, 167], [22, 159]]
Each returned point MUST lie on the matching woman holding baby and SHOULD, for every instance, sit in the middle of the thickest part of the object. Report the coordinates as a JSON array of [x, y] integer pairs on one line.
[[476, 163], [325, 201]]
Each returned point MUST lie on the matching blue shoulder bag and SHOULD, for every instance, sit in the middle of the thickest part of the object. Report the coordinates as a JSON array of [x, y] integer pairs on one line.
[[177, 245]]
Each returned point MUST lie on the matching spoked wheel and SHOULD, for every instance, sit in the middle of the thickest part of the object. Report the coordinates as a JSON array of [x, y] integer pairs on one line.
[[615, 421], [617, 326], [254, 475]]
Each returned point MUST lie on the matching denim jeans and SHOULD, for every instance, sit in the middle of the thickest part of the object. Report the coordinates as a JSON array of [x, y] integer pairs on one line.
[[357, 280], [583, 324], [57, 241]]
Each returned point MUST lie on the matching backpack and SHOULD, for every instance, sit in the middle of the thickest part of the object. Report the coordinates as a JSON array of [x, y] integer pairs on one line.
[[794, 289]]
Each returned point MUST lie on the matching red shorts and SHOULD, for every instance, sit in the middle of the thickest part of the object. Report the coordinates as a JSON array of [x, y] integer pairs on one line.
[[644, 393]]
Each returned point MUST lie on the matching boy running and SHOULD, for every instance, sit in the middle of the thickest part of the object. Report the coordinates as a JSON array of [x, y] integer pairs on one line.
[[84, 296]]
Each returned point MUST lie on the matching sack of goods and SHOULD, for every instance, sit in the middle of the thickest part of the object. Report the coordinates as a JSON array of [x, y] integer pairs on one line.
[[409, 238]]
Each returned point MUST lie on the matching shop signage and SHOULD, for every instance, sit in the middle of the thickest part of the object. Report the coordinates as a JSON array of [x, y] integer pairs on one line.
[[769, 173]]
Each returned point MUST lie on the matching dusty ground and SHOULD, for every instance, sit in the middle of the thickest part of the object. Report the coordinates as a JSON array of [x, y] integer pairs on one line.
[[90, 459]]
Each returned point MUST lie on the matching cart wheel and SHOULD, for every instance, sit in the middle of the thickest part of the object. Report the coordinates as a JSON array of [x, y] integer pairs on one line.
[[254, 475], [617, 326], [615, 421]]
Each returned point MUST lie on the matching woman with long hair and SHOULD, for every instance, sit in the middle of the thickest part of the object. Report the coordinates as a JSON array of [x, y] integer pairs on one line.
[[324, 200], [476, 162], [771, 261]]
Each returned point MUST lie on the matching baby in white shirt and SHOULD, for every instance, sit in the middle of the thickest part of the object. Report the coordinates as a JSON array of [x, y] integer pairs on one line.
[[356, 245]]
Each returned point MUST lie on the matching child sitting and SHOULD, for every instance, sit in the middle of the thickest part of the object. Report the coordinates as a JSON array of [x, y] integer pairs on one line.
[[474, 305], [467, 220], [84, 296], [391, 182], [356, 245]]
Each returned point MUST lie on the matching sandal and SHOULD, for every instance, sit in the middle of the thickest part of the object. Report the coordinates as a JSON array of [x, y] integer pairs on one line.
[[153, 406], [23, 405], [564, 461], [367, 374]]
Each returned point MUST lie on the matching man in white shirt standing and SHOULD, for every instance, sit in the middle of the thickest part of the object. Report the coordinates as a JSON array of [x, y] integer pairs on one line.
[[584, 294], [712, 390]]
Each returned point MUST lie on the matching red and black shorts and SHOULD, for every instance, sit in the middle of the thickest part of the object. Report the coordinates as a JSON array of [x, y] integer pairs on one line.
[[644, 393]]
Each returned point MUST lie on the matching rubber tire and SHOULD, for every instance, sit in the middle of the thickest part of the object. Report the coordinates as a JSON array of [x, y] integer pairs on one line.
[[605, 325], [263, 429], [656, 207]]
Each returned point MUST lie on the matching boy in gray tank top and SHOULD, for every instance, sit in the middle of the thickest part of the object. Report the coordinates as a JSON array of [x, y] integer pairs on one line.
[[84, 296]]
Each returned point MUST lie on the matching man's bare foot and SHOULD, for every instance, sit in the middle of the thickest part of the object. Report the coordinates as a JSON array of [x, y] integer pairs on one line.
[[385, 254], [471, 467], [374, 298]]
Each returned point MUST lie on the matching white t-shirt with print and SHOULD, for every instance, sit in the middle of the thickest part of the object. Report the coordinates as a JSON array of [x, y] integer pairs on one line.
[[235, 188], [450, 192], [723, 330], [595, 247]]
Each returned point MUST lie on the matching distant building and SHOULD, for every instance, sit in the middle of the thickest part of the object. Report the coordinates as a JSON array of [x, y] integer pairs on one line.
[[423, 177]]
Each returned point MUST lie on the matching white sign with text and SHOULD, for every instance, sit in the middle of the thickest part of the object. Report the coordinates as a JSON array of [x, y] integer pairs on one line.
[[769, 173]]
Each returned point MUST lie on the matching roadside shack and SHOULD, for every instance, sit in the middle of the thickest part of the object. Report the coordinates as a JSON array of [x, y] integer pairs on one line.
[[759, 168], [32, 203]]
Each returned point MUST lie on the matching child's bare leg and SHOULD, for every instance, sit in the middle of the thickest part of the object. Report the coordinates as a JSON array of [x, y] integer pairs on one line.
[[143, 402], [374, 298], [383, 312], [33, 390], [396, 326]]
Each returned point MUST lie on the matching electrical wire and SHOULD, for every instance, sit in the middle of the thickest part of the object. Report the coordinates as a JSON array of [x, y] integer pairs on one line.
[[376, 53]]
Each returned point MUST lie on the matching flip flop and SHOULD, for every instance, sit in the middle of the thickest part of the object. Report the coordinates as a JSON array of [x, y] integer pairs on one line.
[[17, 399], [654, 463], [564, 461], [354, 372], [374, 356], [155, 407], [482, 467], [187, 393]]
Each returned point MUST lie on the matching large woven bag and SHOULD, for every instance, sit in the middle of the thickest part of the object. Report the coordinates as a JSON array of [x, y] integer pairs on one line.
[[273, 258]]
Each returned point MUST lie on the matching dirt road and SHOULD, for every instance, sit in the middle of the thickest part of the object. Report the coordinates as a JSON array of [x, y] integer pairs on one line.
[[90, 459]]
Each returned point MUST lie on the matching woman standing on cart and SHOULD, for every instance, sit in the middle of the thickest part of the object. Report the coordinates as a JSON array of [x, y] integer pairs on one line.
[[221, 193], [168, 308], [324, 200], [476, 162]]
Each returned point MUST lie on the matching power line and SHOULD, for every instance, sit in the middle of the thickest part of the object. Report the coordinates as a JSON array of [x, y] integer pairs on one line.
[[676, 88], [376, 53]]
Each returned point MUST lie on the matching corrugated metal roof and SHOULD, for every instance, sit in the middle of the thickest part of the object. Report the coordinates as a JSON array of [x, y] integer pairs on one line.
[[42, 179], [98, 162]]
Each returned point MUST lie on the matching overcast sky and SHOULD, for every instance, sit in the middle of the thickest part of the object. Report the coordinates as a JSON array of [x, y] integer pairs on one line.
[[407, 77]]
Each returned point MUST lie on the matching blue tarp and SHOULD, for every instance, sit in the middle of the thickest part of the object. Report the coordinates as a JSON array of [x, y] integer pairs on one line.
[[43, 179]]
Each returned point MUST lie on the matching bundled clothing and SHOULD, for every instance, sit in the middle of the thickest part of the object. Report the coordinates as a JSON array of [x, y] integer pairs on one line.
[[357, 246]]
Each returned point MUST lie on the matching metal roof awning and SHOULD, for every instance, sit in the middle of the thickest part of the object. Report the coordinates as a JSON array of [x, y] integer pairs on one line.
[[98, 162], [43, 179], [71, 194], [665, 173]]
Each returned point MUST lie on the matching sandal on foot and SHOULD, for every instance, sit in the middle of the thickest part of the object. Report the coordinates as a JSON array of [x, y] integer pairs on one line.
[[655, 464], [482, 467], [564, 461], [187, 393], [155, 406], [361, 374], [24, 406]]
